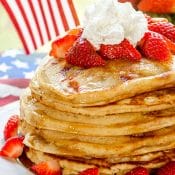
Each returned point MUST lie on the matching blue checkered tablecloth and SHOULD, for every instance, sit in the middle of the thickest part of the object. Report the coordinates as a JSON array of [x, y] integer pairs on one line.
[[15, 64]]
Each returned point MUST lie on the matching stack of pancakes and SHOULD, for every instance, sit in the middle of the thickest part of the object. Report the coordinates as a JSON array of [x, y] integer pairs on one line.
[[113, 117]]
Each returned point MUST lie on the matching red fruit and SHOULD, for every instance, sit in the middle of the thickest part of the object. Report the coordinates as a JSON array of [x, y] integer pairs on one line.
[[124, 50], [11, 127], [90, 171], [165, 28], [76, 32], [171, 45], [13, 147], [155, 20], [62, 45], [149, 18], [157, 6], [154, 46], [138, 171], [51, 167], [83, 54], [168, 169]]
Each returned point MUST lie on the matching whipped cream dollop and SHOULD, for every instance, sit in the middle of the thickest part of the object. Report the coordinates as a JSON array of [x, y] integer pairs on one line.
[[109, 22]]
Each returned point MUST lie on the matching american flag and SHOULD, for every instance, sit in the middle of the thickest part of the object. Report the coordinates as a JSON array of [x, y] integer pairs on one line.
[[38, 21], [11, 90], [16, 69]]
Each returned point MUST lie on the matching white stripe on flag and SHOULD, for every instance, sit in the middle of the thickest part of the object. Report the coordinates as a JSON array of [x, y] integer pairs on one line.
[[7, 90], [22, 24], [40, 20], [57, 16], [68, 13], [32, 23], [48, 19]]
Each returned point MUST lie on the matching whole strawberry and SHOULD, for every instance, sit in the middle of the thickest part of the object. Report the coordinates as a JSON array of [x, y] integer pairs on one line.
[[165, 28], [83, 54], [168, 169], [154, 46], [138, 171], [124, 50]]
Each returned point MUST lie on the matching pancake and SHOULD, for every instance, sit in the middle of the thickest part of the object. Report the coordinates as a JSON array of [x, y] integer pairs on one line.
[[116, 119], [75, 166], [31, 105], [117, 80], [106, 161], [55, 136], [152, 101], [147, 102], [126, 133], [142, 125], [123, 147]]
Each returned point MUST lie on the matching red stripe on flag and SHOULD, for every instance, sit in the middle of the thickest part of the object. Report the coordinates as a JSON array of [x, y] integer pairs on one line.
[[53, 18], [20, 83], [63, 17], [74, 14], [36, 21], [26, 22], [8, 99], [45, 22], [15, 23]]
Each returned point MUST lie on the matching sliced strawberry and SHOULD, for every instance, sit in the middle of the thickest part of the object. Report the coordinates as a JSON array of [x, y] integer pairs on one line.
[[13, 147], [76, 32], [124, 50], [90, 171], [165, 28], [83, 54], [11, 127], [51, 167], [62, 45], [155, 20], [149, 18], [154, 46], [157, 6], [138, 171], [168, 169]]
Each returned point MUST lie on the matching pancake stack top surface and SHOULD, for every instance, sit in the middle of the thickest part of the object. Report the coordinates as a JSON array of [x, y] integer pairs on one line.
[[114, 117]]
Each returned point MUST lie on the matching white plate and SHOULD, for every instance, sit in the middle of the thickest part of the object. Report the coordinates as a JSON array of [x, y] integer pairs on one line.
[[10, 167]]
